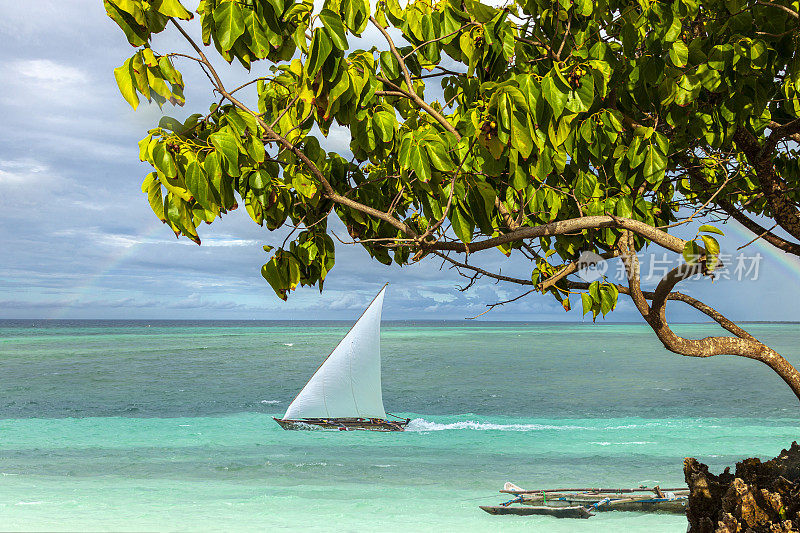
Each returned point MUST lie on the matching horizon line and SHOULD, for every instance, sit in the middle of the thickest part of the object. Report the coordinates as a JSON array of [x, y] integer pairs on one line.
[[464, 320]]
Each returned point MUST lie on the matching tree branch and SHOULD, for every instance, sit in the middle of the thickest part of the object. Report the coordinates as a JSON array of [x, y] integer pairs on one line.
[[783, 209], [662, 238], [738, 215], [791, 12], [414, 96], [329, 191]]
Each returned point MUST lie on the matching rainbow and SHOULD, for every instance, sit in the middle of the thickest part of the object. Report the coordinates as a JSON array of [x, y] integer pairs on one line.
[[113, 260], [789, 264]]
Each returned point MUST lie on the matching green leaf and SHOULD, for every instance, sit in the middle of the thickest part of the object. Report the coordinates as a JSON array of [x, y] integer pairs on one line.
[[586, 186], [758, 54], [679, 54], [419, 163], [139, 74], [133, 8], [135, 30], [462, 224], [624, 207], [226, 144], [609, 294], [163, 161], [149, 57], [144, 145], [171, 8], [594, 291], [197, 183], [720, 56], [263, 40], [260, 179], [275, 277], [438, 157], [383, 122], [213, 170], [710, 229], [521, 133], [333, 23], [229, 21], [555, 92], [255, 149], [587, 302], [691, 252], [390, 67], [154, 196], [125, 83], [170, 73], [488, 196], [340, 87], [304, 185], [711, 244], [582, 97], [585, 7], [655, 165], [608, 298], [157, 84], [321, 47]]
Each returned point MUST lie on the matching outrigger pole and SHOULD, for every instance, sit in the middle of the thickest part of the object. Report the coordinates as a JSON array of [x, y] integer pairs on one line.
[[598, 490]]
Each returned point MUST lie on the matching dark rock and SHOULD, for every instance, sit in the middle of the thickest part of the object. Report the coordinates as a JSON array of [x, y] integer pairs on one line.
[[759, 497]]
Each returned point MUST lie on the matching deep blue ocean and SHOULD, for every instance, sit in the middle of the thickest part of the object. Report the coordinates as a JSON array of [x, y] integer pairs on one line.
[[154, 425]]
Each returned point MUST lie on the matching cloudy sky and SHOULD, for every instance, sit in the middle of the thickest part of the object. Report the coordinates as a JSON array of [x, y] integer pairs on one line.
[[79, 241]]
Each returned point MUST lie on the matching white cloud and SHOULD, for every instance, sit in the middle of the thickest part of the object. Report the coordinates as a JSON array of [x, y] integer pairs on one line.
[[218, 242], [127, 241], [50, 72], [348, 300], [45, 87], [439, 297], [23, 173]]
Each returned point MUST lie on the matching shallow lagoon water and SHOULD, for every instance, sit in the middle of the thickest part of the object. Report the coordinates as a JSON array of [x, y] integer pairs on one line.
[[121, 426]]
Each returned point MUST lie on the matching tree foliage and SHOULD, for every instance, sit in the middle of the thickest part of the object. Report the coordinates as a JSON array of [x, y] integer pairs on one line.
[[541, 127]]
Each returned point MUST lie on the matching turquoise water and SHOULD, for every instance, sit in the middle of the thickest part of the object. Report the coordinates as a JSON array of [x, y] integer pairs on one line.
[[167, 426]]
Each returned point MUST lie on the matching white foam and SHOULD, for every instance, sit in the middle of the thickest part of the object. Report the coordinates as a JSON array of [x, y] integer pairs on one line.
[[420, 424], [271, 402], [288, 344], [631, 443]]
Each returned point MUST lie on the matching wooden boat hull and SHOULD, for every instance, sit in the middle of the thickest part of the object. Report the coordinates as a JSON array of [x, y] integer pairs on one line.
[[343, 424], [619, 502], [558, 512]]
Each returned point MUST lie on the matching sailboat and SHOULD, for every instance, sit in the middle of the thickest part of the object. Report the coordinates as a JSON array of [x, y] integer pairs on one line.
[[345, 391]]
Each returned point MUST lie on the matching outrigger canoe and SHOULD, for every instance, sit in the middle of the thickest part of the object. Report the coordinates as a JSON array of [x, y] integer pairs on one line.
[[581, 503], [558, 512], [674, 503]]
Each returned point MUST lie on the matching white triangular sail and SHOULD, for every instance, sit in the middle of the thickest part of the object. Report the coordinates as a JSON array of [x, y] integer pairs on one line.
[[348, 383]]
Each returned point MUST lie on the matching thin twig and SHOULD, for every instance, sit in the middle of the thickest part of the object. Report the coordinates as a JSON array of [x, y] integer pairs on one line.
[[758, 237]]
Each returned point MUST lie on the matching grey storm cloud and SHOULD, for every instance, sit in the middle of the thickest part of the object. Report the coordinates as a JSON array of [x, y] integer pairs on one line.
[[78, 239]]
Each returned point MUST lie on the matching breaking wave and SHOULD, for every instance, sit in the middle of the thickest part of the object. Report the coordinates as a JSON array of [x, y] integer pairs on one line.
[[631, 443], [420, 424]]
